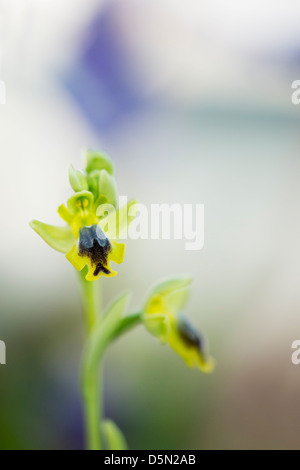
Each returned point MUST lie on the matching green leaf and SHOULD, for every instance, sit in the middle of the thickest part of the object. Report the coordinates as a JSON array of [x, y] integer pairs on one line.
[[59, 238], [114, 438], [104, 330], [77, 179], [96, 160], [108, 187], [117, 308]]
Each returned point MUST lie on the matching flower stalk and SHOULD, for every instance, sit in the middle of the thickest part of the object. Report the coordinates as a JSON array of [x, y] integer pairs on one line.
[[91, 387], [100, 336], [92, 403], [91, 292]]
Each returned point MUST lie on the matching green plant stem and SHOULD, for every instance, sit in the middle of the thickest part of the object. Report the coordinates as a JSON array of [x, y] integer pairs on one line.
[[126, 324], [91, 385], [91, 393], [91, 299], [101, 331], [104, 332]]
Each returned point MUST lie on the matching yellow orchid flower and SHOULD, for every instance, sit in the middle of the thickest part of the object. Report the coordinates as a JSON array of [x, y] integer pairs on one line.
[[91, 238], [95, 227], [162, 317]]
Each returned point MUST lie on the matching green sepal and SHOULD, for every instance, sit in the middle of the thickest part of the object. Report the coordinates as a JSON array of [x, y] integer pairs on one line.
[[166, 299], [174, 292], [96, 160], [77, 180], [158, 325], [113, 436], [108, 187], [93, 179], [59, 238], [169, 286], [103, 185]]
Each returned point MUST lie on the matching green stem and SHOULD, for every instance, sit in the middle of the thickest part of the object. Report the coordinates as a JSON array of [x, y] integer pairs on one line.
[[104, 332], [126, 324], [91, 386], [101, 332], [91, 391], [91, 298]]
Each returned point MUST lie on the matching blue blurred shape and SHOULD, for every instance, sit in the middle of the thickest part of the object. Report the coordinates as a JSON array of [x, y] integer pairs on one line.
[[100, 80]]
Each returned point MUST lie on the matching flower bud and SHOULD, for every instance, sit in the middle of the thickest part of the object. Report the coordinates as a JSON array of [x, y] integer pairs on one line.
[[77, 180], [96, 160]]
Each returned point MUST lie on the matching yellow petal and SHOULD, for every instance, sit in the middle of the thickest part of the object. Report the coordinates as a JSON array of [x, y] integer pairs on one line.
[[65, 214], [79, 262], [206, 366], [118, 252]]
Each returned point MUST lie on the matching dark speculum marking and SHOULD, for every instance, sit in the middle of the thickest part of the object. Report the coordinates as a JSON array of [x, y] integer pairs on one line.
[[190, 336], [94, 244]]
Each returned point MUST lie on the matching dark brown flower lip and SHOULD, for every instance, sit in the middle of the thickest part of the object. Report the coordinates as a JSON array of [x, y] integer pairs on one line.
[[190, 336], [94, 244]]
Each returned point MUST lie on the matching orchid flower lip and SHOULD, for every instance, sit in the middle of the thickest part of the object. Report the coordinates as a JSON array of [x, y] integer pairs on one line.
[[190, 335], [96, 248]]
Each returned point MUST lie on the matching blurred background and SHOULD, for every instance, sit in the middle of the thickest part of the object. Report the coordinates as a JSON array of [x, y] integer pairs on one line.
[[193, 102]]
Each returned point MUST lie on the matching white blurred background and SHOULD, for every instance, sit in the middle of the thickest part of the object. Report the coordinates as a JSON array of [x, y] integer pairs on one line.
[[193, 102]]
